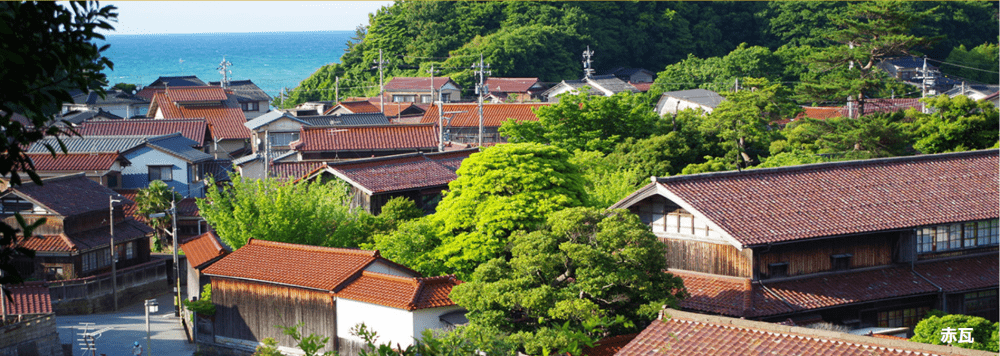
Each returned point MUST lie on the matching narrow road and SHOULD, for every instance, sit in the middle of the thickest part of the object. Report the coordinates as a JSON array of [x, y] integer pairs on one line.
[[129, 325]]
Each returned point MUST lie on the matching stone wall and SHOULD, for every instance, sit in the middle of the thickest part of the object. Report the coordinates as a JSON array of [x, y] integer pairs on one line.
[[35, 336]]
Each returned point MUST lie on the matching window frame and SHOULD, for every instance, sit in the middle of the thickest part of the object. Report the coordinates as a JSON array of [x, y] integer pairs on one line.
[[159, 175], [840, 262], [250, 106], [777, 270], [275, 143]]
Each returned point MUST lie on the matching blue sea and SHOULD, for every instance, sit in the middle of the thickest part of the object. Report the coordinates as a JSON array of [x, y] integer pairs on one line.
[[273, 60]]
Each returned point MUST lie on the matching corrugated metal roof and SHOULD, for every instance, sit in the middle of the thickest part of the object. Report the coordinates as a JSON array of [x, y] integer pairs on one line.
[[245, 90], [179, 146], [193, 129]]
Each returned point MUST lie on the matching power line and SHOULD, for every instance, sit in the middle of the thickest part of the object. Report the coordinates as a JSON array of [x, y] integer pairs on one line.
[[961, 66]]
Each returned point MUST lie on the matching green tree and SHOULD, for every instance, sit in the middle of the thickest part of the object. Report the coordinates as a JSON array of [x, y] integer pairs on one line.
[[984, 333], [606, 184], [47, 51], [413, 244], [586, 122], [957, 124], [311, 213], [156, 198], [867, 33], [742, 123], [580, 265], [309, 344], [876, 135], [978, 64]]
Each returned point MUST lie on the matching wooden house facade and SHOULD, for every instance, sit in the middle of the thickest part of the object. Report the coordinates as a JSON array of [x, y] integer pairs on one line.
[[420, 177], [75, 240], [872, 243], [328, 289]]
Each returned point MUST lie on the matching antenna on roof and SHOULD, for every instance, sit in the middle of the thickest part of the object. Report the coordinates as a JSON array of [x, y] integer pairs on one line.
[[588, 67], [224, 70]]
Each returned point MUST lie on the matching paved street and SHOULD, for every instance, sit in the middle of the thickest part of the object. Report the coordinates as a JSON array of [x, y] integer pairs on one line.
[[167, 336]]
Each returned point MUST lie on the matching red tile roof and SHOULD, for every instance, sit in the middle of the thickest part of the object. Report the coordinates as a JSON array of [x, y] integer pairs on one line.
[[356, 107], [75, 161], [891, 105], [53, 243], [727, 296], [202, 249], [402, 109], [849, 287], [510, 85], [193, 129], [643, 87], [962, 274], [68, 195], [401, 172], [29, 298], [408, 293], [416, 84], [690, 334], [493, 114], [609, 346], [366, 138], [839, 198], [225, 121], [294, 170], [322, 268]]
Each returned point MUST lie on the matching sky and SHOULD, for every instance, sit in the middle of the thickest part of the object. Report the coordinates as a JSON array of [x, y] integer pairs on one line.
[[158, 17]]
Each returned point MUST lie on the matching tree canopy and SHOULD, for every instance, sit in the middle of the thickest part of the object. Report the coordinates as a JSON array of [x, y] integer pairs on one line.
[[984, 333]]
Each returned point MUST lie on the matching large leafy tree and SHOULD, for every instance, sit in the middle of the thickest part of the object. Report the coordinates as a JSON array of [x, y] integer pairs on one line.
[[156, 198], [46, 52], [865, 34], [956, 124], [586, 122], [742, 123], [311, 213], [984, 333], [977, 64], [583, 264]]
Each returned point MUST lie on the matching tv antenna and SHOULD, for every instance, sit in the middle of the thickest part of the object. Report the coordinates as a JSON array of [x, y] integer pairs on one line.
[[224, 70]]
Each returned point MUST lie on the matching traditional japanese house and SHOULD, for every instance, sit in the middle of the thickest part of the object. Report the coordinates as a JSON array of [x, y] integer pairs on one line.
[[219, 107], [75, 239], [461, 121], [330, 290], [419, 177], [332, 143], [869, 243], [104, 168]]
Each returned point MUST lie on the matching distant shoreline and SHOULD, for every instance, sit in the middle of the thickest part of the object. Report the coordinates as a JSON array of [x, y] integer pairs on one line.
[[219, 33]]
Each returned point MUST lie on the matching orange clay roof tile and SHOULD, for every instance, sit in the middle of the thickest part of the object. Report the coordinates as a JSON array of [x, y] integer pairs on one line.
[[401, 292], [494, 115]]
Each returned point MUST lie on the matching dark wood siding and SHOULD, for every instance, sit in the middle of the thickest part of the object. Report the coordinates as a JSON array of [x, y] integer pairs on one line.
[[814, 256], [251, 310], [708, 258]]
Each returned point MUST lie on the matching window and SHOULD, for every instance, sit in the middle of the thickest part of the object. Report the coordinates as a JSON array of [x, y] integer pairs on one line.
[[52, 273], [404, 98], [130, 250], [164, 173], [776, 270], [112, 181], [956, 236], [250, 106], [283, 138], [446, 97], [901, 318], [426, 99], [89, 261], [840, 262], [982, 303]]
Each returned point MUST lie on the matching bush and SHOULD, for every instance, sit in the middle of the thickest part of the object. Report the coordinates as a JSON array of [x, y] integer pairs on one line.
[[984, 333], [204, 304]]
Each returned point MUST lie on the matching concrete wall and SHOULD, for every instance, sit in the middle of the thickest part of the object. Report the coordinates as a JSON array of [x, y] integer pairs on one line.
[[34, 336], [430, 318], [262, 108]]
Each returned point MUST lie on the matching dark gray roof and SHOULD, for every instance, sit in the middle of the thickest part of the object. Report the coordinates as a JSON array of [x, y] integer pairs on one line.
[[361, 119], [699, 96], [612, 83], [184, 81], [240, 161], [621, 72], [245, 90], [219, 169], [909, 62], [113, 97], [89, 144], [179, 146], [78, 117], [269, 117], [986, 89]]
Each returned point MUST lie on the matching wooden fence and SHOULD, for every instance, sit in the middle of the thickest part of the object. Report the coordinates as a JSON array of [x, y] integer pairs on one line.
[[100, 285]]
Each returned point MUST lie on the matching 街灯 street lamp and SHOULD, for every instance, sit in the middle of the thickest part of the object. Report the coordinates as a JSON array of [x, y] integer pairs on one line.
[[151, 307]]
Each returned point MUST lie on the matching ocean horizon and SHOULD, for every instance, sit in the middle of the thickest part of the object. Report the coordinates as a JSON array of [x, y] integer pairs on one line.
[[272, 60]]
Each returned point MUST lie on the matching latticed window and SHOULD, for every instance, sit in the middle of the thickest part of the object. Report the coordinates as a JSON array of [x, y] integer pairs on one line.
[[901, 318], [956, 236]]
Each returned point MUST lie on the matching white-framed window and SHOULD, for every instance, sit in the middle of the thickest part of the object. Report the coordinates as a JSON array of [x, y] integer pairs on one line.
[[250, 106], [130, 250], [89, 261], [957, 236], [404, 98], [164, 173], [282, 138]]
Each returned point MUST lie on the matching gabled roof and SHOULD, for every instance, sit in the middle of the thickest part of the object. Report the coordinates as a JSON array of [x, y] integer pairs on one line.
[[838, 198], [890, 105], [196, 94], [112, 97], [690, 334], [494, 115], [269, 117], [400, 172], [908, 62], [357, 107], [245, 90], [285, 171], [76, 161], [403, 109], [68, 195], [313, 267], [203, 249], [611, 83], [77, 117], [179, 146], [28, 298], [89, 144], [624, 73], [225, 121], [177, 81], [366, 138], [193, 129], [702, 97], [417, 84], [360, 119], [510, 85], [407, 293]]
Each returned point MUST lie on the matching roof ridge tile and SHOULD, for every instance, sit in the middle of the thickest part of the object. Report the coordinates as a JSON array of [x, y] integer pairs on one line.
[[308, 248]]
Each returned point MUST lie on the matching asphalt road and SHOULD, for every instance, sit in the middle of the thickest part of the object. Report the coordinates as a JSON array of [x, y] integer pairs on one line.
[[167, 338]]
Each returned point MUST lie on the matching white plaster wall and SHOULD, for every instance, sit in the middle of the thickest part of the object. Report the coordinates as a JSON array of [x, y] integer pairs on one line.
[[392, 325], [430, 318]]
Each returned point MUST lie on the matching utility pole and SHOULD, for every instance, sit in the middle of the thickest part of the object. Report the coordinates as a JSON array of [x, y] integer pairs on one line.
[[588, 67], [381, 90], [336, 90], [432, 71], [224, 70], [440, 107], [114, 252], [481, 90]]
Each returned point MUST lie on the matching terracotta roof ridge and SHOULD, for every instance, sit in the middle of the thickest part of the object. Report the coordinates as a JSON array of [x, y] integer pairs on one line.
[[391, 277], [438, 279], [828, 165], [309, 248], [373, 159], [706, 275], [339, 127], [68, 241]]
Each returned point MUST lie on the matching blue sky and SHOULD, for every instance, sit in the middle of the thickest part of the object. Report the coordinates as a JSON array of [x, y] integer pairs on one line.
[[151, 17]]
